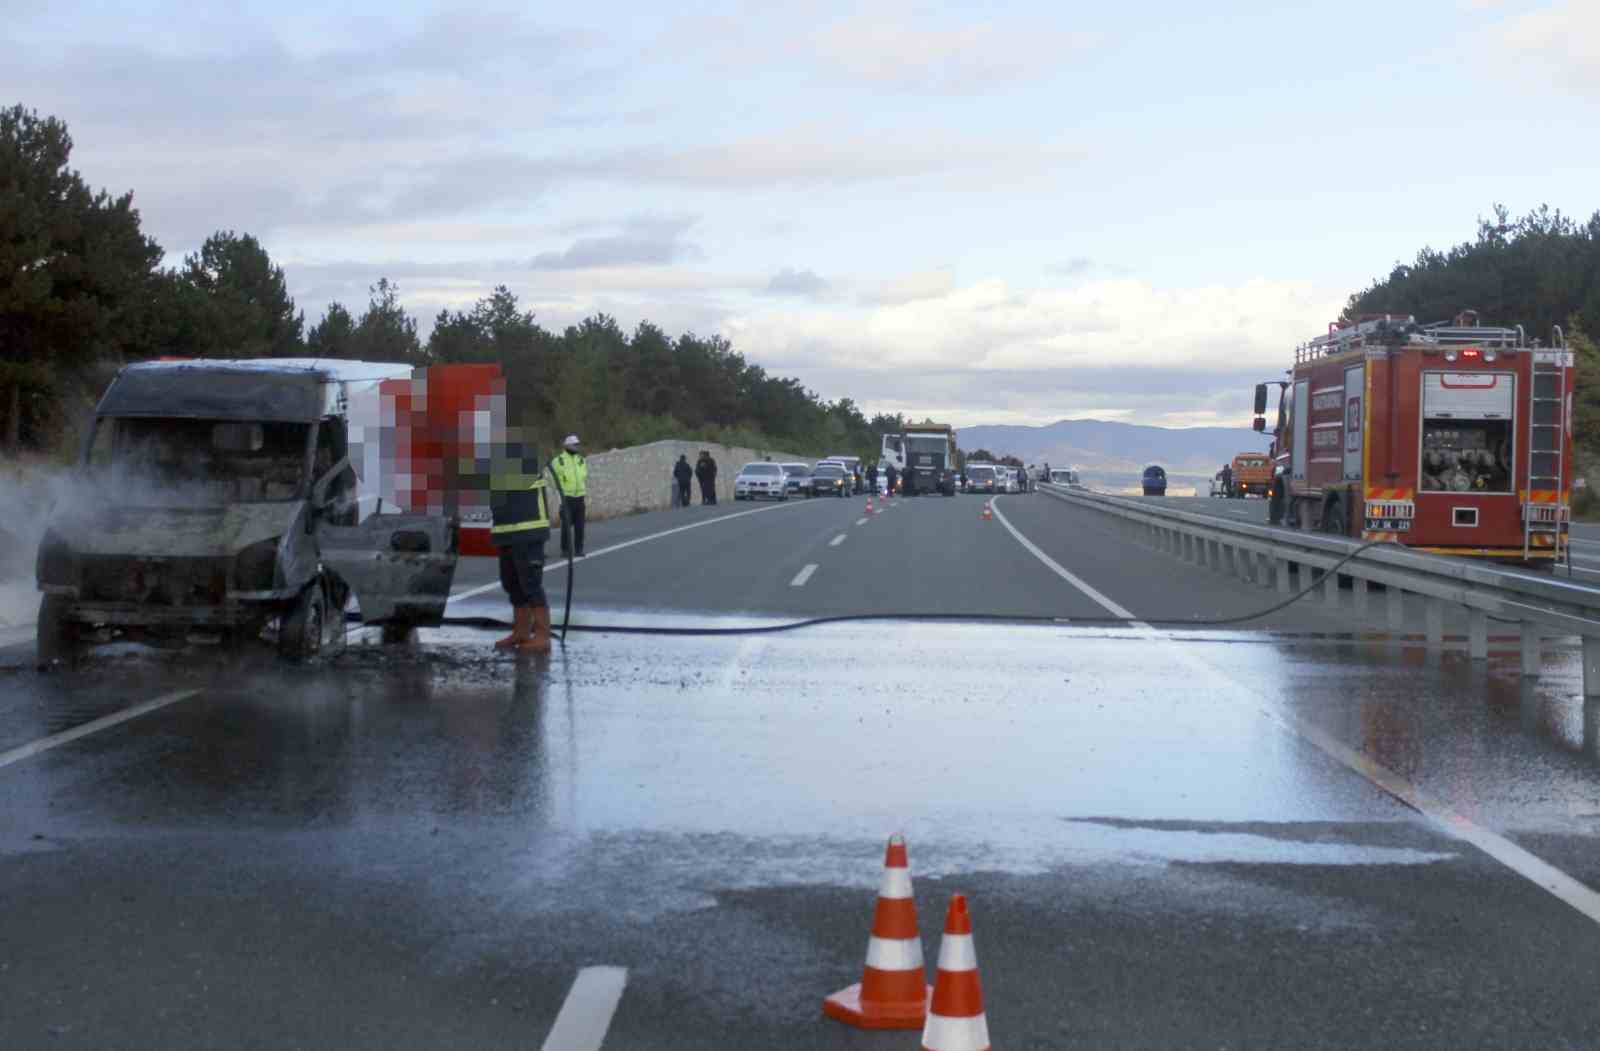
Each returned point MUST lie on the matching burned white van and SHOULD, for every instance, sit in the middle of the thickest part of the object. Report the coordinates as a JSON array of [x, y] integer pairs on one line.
[[235, 497]]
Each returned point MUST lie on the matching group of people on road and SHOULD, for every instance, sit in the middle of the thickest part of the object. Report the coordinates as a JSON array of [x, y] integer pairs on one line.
[[705, 469]]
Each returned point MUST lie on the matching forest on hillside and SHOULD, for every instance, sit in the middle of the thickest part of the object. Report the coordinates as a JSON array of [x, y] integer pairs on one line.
[[1541, 271]]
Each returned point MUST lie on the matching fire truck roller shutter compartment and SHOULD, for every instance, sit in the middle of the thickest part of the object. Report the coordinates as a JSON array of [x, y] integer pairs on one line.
[[1467, 427], [1354, 387], [1300, 409]]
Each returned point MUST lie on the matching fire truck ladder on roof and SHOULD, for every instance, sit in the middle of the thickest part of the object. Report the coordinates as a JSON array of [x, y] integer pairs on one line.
[[1546, 515]]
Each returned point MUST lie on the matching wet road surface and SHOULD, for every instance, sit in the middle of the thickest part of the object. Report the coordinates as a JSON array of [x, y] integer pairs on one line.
[[1169, 837]]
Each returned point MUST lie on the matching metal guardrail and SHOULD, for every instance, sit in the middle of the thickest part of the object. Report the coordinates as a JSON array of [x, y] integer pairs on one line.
[[1265, 556]]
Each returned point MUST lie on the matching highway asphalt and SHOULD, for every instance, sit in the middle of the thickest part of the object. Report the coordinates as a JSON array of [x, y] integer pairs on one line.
[[1292, 831]]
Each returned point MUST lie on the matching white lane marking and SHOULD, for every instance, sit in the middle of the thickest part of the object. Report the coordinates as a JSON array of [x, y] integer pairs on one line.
[[1530, 867], [44, 744], [565, 562], [804, 575], [1060, 570], [586, 1013], [836, 541], [861, 521]]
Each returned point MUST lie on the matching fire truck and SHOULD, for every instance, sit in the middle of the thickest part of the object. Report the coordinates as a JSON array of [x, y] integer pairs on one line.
[[1453, 437]]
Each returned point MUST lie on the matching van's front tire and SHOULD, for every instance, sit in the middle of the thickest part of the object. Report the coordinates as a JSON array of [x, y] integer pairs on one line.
[[302, 630], [57, 636]]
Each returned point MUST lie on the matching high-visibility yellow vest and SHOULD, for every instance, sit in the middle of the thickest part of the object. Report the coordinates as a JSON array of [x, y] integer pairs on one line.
[[517, 504], [572, 472]]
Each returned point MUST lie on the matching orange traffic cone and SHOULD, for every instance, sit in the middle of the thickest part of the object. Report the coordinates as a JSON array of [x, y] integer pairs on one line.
[[956, 1021], [869, 505], [988, 513], [893, 991]]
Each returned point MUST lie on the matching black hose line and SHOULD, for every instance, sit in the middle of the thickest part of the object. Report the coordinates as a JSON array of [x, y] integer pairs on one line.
[[981, 618]]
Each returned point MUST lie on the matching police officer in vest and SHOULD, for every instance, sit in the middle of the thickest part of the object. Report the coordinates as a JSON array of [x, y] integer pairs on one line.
[[572, 477], [521, 526]]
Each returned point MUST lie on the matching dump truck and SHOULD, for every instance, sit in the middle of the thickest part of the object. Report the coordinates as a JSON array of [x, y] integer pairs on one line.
[[1252, 475], [925, 457], [1452, 437]]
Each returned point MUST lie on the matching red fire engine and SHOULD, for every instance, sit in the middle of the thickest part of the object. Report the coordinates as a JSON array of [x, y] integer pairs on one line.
[[1453, 438]]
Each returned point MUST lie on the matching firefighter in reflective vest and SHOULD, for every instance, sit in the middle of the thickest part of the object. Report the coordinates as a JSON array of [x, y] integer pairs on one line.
[[572, 477], [521, 527]]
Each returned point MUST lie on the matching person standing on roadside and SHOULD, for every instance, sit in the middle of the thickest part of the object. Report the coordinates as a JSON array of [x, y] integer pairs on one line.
[[706, 470], [521, 526], [894, 476], [872, 478], [684, 474], [572, 477]]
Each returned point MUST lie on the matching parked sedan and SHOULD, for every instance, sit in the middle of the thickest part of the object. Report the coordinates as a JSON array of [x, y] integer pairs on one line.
[[756, 480], [799, 475], [983, 478], [1155, 481], [830, 479]]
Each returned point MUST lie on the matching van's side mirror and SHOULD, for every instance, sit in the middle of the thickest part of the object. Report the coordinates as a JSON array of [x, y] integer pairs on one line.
[[1261, 400], [1260, 424]]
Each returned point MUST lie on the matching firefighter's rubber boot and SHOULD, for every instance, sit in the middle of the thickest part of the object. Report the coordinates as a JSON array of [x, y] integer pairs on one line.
[[539, 642], [521, 628]]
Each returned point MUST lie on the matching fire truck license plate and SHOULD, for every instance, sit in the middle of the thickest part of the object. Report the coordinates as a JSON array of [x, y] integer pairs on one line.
[[1389, 525]]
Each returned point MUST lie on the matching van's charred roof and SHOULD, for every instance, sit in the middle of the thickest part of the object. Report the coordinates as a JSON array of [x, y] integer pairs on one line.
[[287, 389]]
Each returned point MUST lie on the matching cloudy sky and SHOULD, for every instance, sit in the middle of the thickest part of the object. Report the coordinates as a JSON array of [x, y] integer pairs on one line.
[[991, 213]]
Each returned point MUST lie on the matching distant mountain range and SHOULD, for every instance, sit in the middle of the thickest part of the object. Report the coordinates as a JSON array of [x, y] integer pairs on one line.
[[1107, 449]]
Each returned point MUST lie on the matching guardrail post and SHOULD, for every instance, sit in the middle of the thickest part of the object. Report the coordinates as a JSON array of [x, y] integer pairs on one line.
[[1397, 606], [1591, 666], [1230, 561], [1433, 621], [1359, 594], [1330, 589], [1263, 569], [1477, 634], [1280, 570], [1532, 643]]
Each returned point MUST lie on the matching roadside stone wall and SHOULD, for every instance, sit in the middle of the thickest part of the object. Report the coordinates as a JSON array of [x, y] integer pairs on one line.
[[639, 478]]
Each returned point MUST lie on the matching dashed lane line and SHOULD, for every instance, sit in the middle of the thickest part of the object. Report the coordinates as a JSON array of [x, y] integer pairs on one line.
[[804, 575], [861, 521], [586, 1013], [1530, 867], [836, 541], [44, 744], [565, 562]]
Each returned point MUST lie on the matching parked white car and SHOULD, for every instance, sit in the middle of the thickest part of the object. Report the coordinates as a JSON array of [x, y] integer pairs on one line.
[[757, 480]]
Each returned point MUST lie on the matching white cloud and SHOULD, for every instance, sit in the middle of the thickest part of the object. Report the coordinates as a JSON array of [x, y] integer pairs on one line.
[[807, 284], [988, 326], [908, 288], [904, 52], [1563, 38]]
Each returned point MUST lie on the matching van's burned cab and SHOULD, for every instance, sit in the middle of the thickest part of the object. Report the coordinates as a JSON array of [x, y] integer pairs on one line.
[[233, 496]]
